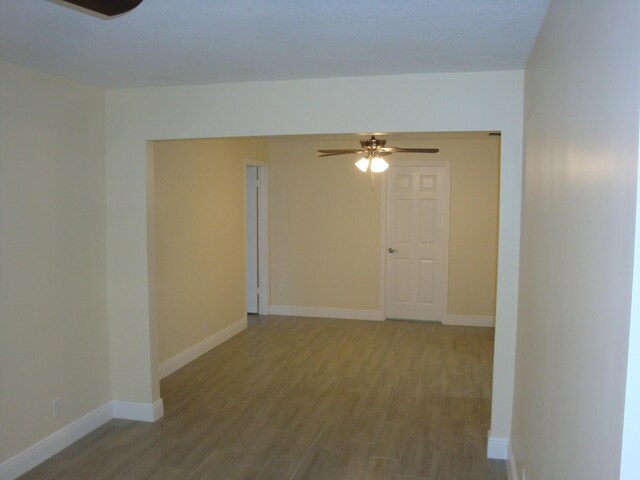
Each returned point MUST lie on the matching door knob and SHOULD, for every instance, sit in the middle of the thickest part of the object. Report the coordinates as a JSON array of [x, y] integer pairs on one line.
[[392, 250]]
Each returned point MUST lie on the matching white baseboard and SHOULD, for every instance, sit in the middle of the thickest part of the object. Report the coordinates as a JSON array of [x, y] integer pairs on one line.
[[325, 312], [142, 412], [57, 441], [470, 320], [37, 453], [511, 466], [498, 448], [190, 354]]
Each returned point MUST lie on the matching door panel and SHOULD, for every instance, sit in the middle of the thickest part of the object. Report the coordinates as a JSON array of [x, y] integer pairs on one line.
[[403, 280], [403, 225], [428, 183], [426, 270], [427, 222], [417, 234]]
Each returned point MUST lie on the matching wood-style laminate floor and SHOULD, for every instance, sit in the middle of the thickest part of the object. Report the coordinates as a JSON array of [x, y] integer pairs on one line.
[[297, 398]]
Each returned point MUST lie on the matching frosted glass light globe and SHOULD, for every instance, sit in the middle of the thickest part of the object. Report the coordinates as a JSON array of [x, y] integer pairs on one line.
[[378, 165], [363, 164]]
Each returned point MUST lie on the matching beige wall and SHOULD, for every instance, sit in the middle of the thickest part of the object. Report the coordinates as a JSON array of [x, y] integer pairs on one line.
[[53, 315], [325, 224], [473, 224], [199, 238], [581, 123], [324, 229]]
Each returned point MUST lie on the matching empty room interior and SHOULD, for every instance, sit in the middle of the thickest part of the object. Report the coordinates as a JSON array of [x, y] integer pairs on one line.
[[370, 241]]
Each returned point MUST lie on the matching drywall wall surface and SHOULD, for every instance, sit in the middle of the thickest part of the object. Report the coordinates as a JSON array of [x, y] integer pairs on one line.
[[324, 229], [199, 238], [437, 102], [326, 223], [53, 328], [581, 126], [473, 224], [630, 461]]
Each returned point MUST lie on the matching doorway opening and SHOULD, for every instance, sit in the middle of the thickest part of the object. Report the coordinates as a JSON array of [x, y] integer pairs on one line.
[[328, 258], [256, 238]]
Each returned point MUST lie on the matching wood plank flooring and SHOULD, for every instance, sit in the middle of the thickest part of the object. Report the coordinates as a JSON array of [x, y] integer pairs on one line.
[[297, 398]]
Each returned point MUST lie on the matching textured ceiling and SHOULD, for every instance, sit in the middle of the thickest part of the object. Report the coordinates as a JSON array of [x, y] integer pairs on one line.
[[190, 42]]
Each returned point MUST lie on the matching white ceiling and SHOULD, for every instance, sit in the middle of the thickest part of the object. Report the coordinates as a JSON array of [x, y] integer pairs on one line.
[[190, 42]]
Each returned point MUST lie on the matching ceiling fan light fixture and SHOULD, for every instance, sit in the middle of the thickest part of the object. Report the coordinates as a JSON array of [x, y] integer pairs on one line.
[[372, 151], [362, 164], [378, 164]]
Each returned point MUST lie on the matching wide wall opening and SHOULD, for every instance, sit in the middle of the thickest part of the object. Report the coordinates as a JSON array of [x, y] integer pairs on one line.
[[328, 234]]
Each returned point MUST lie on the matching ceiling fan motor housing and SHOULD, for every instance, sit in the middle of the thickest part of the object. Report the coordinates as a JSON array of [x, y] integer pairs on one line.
[[373, 143]]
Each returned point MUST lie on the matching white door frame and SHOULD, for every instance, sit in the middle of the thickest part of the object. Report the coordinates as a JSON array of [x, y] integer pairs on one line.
[[384, 187], [263, 233]]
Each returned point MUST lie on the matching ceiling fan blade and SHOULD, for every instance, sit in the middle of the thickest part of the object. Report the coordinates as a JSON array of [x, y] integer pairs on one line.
[[333, 154], [415, 150], [341, 151], [107, 7]]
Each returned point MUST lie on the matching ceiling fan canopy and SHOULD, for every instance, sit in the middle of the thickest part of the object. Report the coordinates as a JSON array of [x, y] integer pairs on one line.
[[109, 8]]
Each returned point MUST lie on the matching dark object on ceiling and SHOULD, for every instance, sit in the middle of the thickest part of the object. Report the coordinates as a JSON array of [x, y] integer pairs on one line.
[[109, 8]]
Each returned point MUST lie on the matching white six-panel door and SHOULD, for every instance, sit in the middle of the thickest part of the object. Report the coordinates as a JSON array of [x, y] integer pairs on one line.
[[417, 241]]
